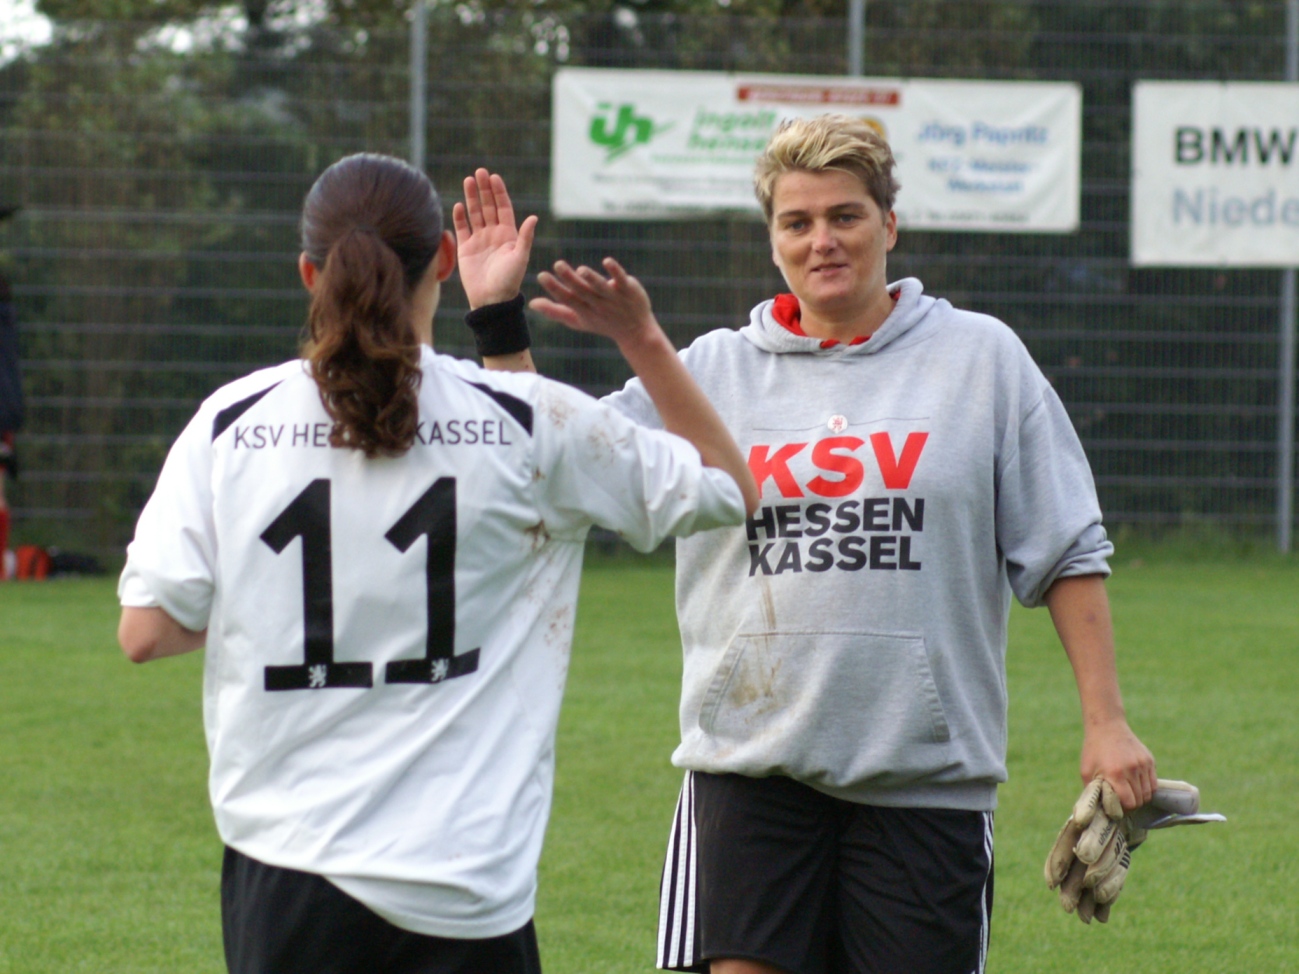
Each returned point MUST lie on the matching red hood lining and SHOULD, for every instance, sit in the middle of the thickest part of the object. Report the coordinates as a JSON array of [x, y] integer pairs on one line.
[[789, 315]]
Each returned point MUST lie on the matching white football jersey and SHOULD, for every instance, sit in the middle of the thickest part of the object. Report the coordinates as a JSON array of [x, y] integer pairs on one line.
[[388, 639]]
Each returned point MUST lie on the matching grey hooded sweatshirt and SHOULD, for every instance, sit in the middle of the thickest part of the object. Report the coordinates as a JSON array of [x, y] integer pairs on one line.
[[853, 634]]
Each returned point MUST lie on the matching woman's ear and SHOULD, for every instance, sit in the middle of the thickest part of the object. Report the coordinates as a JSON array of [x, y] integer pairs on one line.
[[307, 271], [444, 262]]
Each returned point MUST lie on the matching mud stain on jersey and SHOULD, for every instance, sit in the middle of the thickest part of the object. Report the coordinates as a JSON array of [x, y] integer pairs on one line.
[[537, 535], [558, 410], [559, 628], [768, 605], [537, 474], [754, 689], [601, 444]]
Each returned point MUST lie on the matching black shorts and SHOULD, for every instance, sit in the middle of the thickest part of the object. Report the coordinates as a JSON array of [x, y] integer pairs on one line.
[[281, 921], [772, 870]]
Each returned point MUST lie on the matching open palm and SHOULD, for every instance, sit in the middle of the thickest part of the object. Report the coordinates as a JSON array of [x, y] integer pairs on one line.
[[492, 253], [582, 299]]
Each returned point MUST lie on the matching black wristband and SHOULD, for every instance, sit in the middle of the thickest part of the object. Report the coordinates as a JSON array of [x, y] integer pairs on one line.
[[500, 329]]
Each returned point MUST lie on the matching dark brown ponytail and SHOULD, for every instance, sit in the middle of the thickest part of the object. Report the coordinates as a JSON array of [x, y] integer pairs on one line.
[[371, 225]]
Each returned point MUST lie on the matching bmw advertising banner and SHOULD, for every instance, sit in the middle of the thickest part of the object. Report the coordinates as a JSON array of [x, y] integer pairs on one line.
[[1215, 174], [972, 155]]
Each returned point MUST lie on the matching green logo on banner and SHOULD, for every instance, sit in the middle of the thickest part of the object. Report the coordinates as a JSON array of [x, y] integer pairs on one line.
[[622, 130]]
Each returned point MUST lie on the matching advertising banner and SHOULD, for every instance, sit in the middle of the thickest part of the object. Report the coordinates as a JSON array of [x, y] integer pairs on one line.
[[1215, 174], [972, 155]]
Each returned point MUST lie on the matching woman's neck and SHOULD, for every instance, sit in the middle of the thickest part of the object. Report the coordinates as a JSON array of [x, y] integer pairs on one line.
[[847, 324], [423, 306]]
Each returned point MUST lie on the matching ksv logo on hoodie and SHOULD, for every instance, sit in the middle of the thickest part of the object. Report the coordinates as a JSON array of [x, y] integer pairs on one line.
[[870, 532]]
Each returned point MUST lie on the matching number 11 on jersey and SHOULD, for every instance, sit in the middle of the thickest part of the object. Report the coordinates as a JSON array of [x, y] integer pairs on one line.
[[308, 517], [434, 516]]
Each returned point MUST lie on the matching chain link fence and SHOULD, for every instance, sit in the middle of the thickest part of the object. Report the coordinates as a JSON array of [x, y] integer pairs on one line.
[[161, 170]]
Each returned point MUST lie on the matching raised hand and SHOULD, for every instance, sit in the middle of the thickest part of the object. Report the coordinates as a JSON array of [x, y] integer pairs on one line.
[[616, 306], [491, 251]]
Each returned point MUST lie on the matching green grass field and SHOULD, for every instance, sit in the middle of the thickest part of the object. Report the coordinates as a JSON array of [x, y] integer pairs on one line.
[[109, 861]]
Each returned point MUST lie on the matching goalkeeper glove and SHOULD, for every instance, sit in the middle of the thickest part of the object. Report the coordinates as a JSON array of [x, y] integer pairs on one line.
[[1090, 858]]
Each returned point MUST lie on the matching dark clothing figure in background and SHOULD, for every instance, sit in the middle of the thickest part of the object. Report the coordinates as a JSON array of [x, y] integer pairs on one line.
[[11, 410], [11, 390]]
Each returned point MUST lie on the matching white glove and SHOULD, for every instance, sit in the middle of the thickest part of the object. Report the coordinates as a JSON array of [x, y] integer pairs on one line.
[[1090, 858]]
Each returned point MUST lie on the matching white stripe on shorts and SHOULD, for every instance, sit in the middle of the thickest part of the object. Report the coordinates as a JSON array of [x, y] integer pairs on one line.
[[985, 921], [677, 894]]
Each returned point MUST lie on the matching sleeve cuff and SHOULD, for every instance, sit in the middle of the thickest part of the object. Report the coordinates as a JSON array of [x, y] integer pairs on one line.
[[1088, 555], [133, 593]]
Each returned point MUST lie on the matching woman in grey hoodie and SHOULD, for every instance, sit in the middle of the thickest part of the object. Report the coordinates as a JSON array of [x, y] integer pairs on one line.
[[843, 714]]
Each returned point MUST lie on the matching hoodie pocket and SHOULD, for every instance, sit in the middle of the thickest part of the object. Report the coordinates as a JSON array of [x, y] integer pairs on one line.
[[837, 707]]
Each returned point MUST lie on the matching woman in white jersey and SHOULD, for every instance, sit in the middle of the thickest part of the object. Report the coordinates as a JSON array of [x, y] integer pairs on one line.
[[380, 547]]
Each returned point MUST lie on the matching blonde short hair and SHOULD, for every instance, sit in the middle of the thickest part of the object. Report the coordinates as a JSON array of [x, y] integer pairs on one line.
[[827, 142]]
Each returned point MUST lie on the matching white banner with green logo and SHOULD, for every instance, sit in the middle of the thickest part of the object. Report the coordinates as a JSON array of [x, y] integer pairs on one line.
[[972, 155]]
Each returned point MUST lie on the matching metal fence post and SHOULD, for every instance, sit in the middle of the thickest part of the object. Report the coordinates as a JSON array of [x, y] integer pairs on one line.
[[1285, 396], [856, 37], [1285, 414], [418, 81]]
